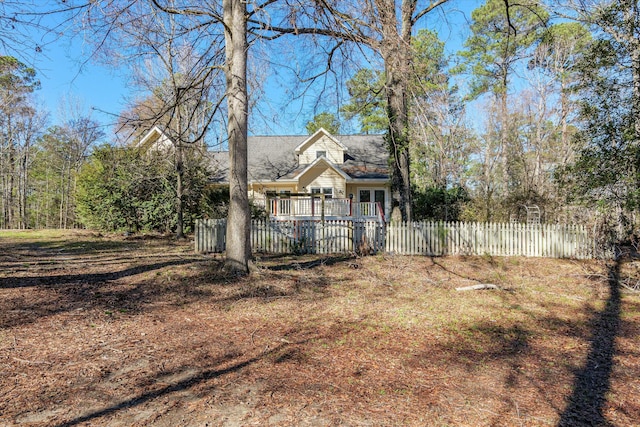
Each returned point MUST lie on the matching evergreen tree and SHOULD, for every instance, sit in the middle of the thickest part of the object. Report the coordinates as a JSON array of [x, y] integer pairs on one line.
[[502, 33], [324, 120]]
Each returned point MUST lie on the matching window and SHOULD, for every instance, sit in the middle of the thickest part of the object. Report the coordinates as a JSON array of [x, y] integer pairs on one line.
[[327, 191], [321, 154]]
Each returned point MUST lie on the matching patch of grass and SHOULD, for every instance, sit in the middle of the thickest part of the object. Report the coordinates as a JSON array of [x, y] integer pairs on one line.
[[31, 235]]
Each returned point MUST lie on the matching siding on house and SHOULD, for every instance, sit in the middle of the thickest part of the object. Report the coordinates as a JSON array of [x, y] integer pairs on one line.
[[323, 176], [156, 140], [334, 152], [258, 191]]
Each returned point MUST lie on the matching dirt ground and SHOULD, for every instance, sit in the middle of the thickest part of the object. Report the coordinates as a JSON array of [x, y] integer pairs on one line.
[[136, 331]]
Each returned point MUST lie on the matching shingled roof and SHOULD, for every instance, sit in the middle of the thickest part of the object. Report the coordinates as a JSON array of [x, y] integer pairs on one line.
[[273, 157]]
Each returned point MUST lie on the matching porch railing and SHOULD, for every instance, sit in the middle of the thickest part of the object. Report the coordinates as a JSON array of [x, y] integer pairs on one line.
[[313, 207], [368, 210]]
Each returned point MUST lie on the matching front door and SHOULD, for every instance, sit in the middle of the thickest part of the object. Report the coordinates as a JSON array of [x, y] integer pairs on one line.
[[366, 195]]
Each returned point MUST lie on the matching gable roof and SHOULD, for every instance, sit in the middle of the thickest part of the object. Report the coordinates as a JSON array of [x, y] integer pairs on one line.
[[154, 134], [271, 158], [324, 160], [313, 138]]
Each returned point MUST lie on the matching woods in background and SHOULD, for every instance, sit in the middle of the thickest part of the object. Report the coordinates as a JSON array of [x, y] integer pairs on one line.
[[541, 106]]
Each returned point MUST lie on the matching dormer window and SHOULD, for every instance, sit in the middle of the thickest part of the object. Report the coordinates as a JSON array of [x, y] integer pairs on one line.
[[321, 154]]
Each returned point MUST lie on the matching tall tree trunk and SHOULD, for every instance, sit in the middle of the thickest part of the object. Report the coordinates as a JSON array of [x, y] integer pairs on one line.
[[538, 181], [11, 170], [635, 64], [398, 140], [504, 138], [179, 191], [3, 219], [633, 23], [23, 188], [239, 219], [396, 52], [179, 162], [12, 186], [564, 124], [63, 185], [635, 112], [47, 200]]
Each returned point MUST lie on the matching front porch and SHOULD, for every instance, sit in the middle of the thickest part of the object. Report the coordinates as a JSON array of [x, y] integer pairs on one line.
[[318, 207]]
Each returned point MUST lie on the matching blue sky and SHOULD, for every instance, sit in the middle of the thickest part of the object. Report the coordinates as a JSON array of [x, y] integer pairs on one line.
[[95, 87], [65, 73]]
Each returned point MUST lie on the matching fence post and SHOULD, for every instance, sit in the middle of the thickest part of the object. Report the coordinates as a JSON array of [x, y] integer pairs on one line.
[[198, 237]]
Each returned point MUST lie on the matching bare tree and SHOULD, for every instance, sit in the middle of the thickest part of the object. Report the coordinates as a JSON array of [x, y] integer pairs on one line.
[[180, 102], [485, 176], [443, 141], [384, 28], [17, 22], [502, 33], [26, 136], [218, 32], [553, 74], [17, 82]]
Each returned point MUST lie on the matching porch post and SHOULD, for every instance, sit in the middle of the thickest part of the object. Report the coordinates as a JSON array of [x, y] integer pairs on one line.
[[351, 204], [267, 206]]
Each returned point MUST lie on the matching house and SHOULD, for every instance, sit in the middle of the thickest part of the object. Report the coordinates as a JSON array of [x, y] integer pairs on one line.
[[310, 177], [156, 139], [322, 175]]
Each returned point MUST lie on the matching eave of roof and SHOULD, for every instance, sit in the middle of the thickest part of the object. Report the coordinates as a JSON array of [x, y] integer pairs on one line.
[[156, 132], [322, 159]]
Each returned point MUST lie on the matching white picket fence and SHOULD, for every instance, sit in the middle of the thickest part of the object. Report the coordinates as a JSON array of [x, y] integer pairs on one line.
[[416, 238], [297, 236], [495, 239]]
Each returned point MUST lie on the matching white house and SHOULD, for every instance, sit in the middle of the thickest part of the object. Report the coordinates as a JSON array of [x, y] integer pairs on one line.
[[296, 176], [306, 177]]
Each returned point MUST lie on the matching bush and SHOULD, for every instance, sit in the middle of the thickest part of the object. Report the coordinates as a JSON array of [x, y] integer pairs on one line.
[[439, 204]]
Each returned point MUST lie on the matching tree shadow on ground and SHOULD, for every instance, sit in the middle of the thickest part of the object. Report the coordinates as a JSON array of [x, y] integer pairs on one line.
[[28, 298], [185, 384], [517, 346], [441, 265], [70, 246], [592, 382], [115, 283], [59, 280], [289, 263]]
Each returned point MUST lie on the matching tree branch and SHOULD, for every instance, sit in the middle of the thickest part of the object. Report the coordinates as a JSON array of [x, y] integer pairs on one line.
[[428, 9]]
